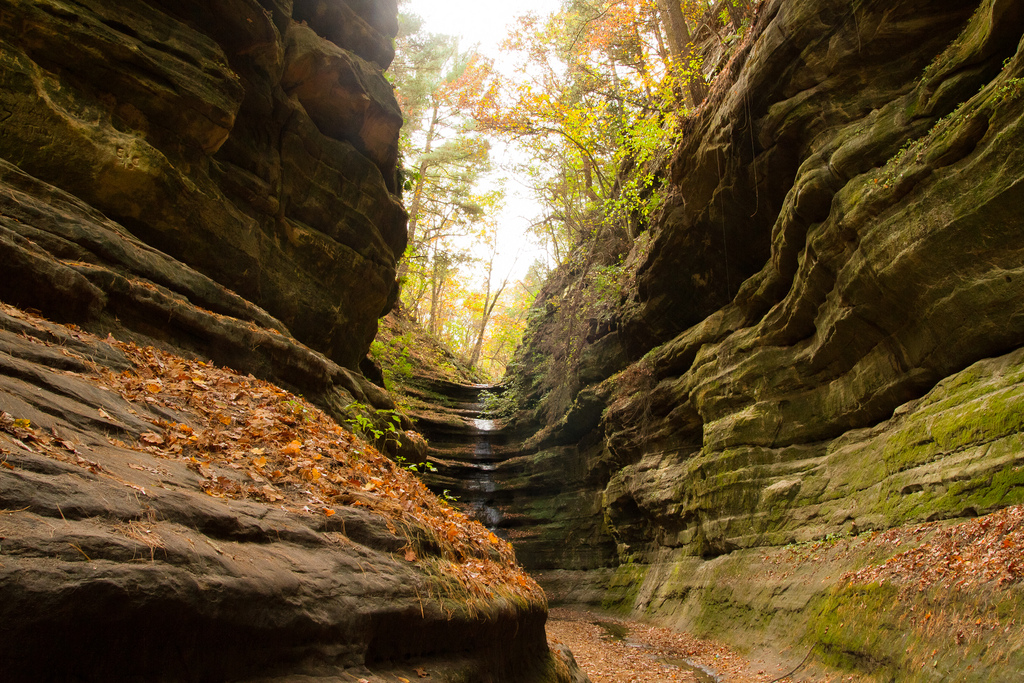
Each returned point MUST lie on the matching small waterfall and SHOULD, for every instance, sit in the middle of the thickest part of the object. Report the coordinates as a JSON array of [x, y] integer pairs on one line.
[[480, 485], [467, 449]]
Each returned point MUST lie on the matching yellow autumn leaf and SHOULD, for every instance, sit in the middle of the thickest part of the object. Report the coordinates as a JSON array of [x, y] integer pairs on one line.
[[260, 462], [292, 448], [153, 387]]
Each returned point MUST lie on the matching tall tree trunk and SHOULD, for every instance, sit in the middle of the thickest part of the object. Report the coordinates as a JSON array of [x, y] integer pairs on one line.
[[736, 15], [417, 195], [489, 304], [681, 42]]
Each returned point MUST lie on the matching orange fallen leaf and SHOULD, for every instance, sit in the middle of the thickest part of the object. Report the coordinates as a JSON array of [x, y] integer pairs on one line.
[[152, 438], [153, 387], [293, 448], [260, 462], [328, 512], [410, 555]]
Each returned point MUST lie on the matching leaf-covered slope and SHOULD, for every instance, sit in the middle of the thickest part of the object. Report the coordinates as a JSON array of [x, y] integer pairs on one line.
[[166, 518]]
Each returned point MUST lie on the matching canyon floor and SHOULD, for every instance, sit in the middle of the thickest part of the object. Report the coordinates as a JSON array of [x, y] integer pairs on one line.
[[614, 650]]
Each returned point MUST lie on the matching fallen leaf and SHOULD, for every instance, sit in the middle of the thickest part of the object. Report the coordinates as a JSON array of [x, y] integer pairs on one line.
[[293, 448], [421, 672], [328, 512], [154, 387], [152, 438], [410, 555]]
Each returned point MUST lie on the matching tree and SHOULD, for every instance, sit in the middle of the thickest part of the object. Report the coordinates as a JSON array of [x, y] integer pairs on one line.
[[491, 295]]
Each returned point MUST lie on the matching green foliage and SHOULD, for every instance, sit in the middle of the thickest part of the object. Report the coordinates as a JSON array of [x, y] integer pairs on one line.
[[415, 467], [376, 426], [297, 409], [394, 359]]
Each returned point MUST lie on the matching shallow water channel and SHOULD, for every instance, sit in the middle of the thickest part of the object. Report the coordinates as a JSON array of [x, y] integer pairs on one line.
[[620, 633]]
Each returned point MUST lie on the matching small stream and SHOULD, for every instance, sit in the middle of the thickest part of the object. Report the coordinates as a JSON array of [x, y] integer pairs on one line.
[[620, 633]]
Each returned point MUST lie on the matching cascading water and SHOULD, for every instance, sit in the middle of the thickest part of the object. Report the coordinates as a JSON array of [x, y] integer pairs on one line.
[[466, 450], [480, 485]]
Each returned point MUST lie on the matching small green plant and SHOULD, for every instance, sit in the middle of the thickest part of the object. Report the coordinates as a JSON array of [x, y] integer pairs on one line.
[[447, 496], [389, 429], [297, 410], [1010, 90], [415, 467]]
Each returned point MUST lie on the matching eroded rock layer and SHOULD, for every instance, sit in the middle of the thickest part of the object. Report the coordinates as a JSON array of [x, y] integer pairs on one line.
[[823, 326], [217, 178], [157, 523], [230, 136]]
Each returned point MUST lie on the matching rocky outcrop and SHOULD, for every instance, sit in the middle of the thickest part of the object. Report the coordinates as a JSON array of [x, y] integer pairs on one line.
[[230, 136], [822, 320], [143, 534], [217, 179]]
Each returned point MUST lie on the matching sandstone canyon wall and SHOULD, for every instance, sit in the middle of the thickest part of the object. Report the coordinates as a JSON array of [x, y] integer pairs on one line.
[[216, 178], [819, 333]]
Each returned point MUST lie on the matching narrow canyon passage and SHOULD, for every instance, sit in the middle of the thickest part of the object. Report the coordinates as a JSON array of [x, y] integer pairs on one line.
[[472, 455]]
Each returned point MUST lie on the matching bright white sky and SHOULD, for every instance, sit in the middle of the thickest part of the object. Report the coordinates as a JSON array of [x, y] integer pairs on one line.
[[485, 23]]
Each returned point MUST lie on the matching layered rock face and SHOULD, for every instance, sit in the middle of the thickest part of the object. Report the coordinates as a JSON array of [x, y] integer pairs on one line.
[[256, 143], [217, 179], [824, 324]]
